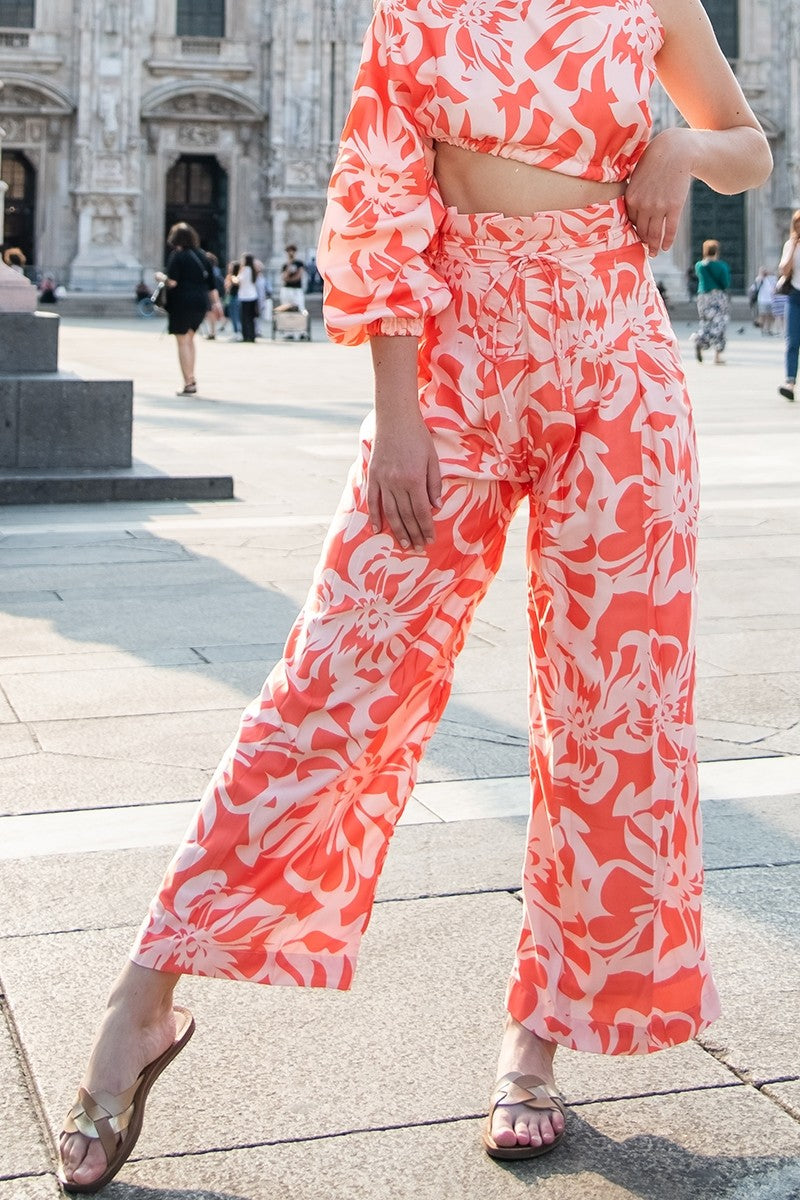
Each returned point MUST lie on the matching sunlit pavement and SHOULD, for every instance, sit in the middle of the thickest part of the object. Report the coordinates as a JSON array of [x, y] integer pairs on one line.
[[130, 638]]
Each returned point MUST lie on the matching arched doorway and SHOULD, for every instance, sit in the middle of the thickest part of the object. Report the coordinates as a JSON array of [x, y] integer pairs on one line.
[[20, 203], [722, 218], [197, 192]]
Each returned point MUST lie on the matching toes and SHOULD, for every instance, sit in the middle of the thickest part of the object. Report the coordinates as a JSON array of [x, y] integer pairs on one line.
[[546, 1131], [72, 1148], [503, 1129], [83, 1159], [92, 1166], [524, 1133]]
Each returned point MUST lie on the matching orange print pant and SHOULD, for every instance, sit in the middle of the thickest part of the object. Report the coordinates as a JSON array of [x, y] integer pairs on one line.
[[552, 378]]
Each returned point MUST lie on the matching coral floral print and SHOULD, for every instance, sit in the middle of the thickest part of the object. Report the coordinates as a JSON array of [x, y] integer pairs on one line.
[[559, 84], [548, 374], [552, 377]]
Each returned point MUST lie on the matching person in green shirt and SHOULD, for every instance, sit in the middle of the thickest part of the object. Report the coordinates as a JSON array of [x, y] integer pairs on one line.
[[713, 283]]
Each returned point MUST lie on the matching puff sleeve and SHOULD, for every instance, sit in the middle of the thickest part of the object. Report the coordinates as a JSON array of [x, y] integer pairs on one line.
[[384, 207]]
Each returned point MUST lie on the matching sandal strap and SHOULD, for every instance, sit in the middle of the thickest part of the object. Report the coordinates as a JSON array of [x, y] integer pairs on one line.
[[529, 1090], [102, 1116]]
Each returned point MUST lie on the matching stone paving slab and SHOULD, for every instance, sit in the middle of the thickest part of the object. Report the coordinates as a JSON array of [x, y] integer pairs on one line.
[[195, 740], [136, 690], [55, 782], [718, 547], [122, 622], [713, 750], [735, 589], [751, 831], [753, 652], [99, 660], [16, 741], [7, 714], [787, 1094], [749, 699], [21, 1147], [759, 1049], [42, 1187], [731, 1145], [752, 922], [283, 1068]]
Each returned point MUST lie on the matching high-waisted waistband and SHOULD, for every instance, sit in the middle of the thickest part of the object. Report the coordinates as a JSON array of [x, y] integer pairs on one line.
[[597, 227]]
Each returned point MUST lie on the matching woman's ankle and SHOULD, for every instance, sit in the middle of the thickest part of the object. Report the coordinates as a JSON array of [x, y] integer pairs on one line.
[[143, 995]]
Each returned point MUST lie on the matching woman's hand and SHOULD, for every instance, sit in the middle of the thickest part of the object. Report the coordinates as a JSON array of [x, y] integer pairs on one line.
[[404, 483], [658, 188]]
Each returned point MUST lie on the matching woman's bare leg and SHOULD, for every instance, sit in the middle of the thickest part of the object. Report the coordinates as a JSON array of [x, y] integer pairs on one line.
[[522, 1052], [186, 355], [137, 1027]]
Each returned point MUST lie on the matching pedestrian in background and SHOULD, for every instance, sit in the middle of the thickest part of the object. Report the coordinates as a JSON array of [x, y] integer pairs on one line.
[[232, 298], [292, 279], [790, 268], [191, 293], [215, 313], [765, 297], [245, 280], [264, 298], [713, 283]]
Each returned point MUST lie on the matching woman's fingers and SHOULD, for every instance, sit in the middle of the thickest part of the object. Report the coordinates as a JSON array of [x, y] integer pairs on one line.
[[409, 517]]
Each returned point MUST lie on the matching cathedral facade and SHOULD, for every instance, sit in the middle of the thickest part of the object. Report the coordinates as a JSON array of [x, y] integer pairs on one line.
[[123, 116]]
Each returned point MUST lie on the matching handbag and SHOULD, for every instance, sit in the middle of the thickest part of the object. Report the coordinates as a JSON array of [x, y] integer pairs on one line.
[[160, 297], [784, 285]]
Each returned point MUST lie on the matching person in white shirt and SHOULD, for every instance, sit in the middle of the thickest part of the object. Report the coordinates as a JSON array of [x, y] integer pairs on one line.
[[248, 296], [764, 299]]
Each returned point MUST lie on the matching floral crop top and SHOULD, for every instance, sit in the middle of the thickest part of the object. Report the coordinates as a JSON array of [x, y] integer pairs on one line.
[[559, 84]]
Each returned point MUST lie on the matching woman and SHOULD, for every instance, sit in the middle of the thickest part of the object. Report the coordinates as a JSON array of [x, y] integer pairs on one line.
[[713, 281], [192, 292], [765, 297], [246, 282], [491, 241], [790, 266], [232, 294]]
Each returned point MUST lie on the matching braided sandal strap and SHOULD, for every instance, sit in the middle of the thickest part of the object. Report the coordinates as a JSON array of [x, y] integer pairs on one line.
[[102, 1117], [529, 1090]]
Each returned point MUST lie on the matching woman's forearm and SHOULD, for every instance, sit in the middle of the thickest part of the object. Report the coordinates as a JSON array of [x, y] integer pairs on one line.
[[729, 160], [394, 360]]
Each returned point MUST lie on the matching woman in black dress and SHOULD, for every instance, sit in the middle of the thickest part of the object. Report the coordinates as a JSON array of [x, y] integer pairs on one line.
[[192, 293]]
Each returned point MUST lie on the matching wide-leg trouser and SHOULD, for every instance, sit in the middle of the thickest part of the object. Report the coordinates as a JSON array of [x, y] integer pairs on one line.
[[553, 377]]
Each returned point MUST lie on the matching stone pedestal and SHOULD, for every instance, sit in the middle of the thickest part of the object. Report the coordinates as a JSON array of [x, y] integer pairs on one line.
[[52, 419], [64, 439], [17, 294]]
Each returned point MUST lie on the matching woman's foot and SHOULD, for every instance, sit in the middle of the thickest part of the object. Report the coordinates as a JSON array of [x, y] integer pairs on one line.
[[522, 1052], [787, 390], [188, 389], [126, 1043], [718, 359]]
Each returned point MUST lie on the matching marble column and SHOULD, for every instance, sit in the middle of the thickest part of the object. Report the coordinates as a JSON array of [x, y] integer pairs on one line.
[[108, 149]]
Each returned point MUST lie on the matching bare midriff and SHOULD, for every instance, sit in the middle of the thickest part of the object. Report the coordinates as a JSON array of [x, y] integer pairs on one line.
[[473, 182]]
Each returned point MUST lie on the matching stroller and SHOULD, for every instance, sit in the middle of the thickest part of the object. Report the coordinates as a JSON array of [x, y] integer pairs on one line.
[[290, 323]]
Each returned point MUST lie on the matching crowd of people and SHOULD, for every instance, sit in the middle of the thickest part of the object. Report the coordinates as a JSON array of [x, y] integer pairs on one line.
[[198, 294]]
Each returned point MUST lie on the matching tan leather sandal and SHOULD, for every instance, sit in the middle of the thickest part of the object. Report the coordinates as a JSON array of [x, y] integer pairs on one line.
[[116, 1121], [534, 1093]]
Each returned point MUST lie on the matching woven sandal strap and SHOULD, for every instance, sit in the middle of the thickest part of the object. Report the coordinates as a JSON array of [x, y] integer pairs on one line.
[[529, 1090], [102, 1116]]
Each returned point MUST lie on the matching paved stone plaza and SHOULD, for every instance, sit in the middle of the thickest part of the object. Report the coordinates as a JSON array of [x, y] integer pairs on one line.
[[130, 639]]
